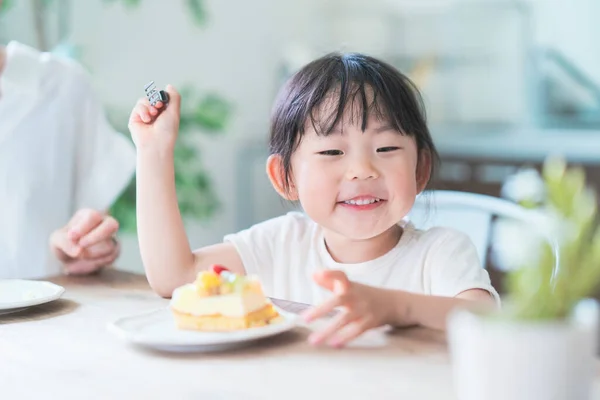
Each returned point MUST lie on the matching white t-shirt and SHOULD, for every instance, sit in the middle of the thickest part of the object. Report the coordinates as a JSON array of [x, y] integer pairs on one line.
[[58, 154], [285, 251]]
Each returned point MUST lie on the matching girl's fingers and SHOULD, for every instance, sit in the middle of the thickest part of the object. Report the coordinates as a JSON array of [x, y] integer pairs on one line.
[[154, 109], [350, 333], [322, 309], [338, 323], [143, 113]]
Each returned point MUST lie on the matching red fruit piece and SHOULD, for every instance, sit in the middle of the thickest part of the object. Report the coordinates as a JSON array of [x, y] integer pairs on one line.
[[217, 269]]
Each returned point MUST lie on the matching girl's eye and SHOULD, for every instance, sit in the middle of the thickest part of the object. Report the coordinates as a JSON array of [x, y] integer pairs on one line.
[[331, 153], [387, 149]]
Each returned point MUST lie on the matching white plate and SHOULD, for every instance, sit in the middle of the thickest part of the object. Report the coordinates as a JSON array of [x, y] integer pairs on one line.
[[18, 294], [156, 329]]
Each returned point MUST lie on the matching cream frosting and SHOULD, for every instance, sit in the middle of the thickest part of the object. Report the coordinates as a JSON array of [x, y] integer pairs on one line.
[[186, 300]]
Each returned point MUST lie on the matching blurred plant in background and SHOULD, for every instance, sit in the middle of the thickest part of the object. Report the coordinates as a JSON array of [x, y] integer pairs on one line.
[[5, 5], [510, 249], [201, 113], [570, 208], [526, 188]]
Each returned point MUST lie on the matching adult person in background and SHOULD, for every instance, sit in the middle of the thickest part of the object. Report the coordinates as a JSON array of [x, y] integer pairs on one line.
[[61, 167]]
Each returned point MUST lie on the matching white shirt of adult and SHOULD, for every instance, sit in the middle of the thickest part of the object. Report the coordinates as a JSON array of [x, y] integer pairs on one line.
[[58, 154]]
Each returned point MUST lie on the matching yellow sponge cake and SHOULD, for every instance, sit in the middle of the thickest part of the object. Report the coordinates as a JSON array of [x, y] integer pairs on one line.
[[220, 300]]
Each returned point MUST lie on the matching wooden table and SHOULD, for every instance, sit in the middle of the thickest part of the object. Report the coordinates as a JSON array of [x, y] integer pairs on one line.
[[63, 350]]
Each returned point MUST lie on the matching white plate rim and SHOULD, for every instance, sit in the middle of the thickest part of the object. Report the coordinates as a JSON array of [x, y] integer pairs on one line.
[[58, 292], [291, 321]]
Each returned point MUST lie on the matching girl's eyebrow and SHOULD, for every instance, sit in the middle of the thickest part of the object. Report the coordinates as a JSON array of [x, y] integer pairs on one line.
[[379, 129]]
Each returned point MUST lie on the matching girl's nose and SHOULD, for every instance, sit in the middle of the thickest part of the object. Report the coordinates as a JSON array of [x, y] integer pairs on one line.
[[361, 168]]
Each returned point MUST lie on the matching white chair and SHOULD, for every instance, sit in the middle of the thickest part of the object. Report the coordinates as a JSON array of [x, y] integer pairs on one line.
[[472, 213]]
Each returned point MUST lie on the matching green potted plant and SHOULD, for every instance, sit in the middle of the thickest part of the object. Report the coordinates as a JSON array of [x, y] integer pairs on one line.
[[542, 343]]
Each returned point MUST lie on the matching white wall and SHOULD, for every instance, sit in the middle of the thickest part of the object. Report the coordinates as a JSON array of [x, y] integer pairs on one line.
[[572, 27], [239, 55]]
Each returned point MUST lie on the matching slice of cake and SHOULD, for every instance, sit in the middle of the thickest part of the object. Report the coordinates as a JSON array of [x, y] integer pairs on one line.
[[220, 300]]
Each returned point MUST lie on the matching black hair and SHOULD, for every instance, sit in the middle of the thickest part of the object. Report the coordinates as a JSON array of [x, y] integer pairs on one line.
[[350, 77]]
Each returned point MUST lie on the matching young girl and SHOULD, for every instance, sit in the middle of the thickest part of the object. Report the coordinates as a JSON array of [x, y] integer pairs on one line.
[[349, 142]]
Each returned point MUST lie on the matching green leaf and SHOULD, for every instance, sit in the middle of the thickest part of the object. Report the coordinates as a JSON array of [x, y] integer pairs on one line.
[[124, 209], [212, 113], [47, 3], [198, 11], [127, 3], [202, 182], [132, 3], [184, 153], [528, 204], [6, 5]]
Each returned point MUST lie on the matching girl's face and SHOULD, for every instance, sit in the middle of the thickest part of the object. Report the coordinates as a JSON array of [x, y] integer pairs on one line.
[[358, 184]]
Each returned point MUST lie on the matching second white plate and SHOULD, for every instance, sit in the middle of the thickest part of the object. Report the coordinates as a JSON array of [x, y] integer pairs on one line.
[[156, 329], [18, 294]]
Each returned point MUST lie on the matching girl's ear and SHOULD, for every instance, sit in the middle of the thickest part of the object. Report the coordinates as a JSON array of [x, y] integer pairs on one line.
[[423, 173], [276, 174]]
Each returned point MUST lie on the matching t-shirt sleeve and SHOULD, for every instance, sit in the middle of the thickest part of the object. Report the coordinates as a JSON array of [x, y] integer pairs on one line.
[[455, 266], [106, 159]]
